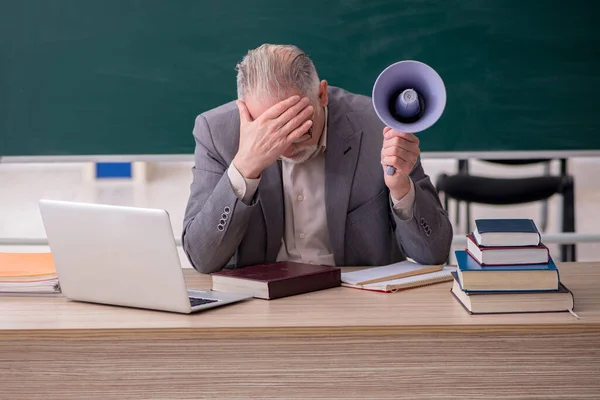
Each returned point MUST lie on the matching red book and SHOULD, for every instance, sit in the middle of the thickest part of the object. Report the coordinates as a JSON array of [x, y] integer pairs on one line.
[[276, 280], [507, 255]]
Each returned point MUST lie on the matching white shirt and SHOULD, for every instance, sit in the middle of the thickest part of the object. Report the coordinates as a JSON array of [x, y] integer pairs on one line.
[[306, 236]]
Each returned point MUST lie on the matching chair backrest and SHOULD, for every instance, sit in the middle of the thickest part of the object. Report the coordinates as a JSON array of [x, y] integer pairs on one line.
[[465, 187]]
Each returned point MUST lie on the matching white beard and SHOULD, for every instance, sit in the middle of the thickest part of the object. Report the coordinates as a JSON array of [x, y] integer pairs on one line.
[[301, 154]]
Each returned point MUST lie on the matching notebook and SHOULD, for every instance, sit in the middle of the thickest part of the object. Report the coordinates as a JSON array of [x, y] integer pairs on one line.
[[442, 274], [28, 273], [397, 270]]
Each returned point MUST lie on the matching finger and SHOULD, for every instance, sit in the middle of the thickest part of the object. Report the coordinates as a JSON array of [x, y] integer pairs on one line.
[[296, 121], [402, 144], [405, 135], [292, 112], [244, 113], [407, 154], [386, 130], [402, 157], [395, 151], [407, 161], [299, 132], [279, 108]]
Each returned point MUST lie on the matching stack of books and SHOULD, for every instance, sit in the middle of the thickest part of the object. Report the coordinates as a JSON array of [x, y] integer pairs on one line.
[[28, 274], [505, 268]]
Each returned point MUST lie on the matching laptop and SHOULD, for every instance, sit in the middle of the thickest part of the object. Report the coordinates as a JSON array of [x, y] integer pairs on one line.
[[123, 256]]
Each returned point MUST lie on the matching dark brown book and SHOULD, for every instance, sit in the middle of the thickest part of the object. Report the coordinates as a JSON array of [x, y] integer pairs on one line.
[[276, 280]]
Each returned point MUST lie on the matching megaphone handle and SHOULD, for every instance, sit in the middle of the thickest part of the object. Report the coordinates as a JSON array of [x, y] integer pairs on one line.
[[390, 170]]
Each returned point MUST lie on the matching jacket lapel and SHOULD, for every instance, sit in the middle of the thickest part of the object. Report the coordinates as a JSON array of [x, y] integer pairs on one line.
[[343, 144], [270, 191]]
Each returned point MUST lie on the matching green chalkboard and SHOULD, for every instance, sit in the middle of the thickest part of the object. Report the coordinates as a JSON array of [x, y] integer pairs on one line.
[[120, 77]]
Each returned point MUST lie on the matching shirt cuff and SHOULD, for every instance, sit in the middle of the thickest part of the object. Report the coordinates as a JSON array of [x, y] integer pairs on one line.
[[403, 208], [243, 188]]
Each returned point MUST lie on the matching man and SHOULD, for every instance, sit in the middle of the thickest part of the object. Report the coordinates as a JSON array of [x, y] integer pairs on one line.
[[295, 170]]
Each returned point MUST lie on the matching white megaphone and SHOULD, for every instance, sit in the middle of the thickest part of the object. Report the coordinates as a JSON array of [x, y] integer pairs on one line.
[[408, 96]]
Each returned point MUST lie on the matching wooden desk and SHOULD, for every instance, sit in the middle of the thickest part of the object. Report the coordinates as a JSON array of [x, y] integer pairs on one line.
[[340, 343]]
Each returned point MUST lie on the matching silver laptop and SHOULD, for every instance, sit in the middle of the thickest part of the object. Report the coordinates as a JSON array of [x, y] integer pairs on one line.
[[124, 256]]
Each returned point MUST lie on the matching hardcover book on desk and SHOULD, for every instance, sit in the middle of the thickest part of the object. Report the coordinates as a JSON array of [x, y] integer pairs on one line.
[[506, 255], [276, 280], [504, 232], [474, 276], [492, 302]]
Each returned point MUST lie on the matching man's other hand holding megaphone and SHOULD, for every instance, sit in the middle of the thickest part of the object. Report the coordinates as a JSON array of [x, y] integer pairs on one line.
[[401, 151]]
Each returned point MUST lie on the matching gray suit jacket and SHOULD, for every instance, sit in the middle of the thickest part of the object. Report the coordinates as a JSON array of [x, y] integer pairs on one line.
[[219, 228]]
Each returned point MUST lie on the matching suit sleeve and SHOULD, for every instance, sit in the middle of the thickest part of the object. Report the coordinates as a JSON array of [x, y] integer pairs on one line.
[[426, 237], [215, 218]]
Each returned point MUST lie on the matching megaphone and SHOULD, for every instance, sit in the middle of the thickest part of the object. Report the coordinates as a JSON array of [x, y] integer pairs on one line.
[[408, 96]]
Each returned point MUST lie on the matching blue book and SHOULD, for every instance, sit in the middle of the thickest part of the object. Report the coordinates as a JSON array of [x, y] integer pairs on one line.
[[523, 277], [506, 232]]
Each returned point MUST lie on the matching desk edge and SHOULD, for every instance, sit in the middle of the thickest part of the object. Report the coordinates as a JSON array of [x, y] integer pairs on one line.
[[339, 331]]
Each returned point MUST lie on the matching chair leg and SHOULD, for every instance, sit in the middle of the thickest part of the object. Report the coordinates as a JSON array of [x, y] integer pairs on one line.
[[568, 251], [544, 222], [457, 213], [544, 212], [468, 217], [463, 168], [563, 167]]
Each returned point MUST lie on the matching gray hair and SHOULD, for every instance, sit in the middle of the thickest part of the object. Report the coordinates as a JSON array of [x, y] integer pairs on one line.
[[271, 71]]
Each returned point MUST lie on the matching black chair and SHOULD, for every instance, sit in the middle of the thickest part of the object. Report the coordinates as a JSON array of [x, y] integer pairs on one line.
[[468, 188]]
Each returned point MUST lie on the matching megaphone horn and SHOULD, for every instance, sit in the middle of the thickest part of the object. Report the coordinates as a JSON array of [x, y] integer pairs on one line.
[[408, 96]]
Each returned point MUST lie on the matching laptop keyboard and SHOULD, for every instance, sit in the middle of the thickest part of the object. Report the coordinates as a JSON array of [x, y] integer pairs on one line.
[[196, 301]]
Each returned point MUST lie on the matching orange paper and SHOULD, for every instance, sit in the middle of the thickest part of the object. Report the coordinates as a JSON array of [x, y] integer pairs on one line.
[[26, 264]]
